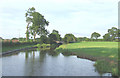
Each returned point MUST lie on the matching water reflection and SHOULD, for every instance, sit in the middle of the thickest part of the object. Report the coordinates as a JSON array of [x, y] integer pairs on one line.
[[53, 53], [46, 63]]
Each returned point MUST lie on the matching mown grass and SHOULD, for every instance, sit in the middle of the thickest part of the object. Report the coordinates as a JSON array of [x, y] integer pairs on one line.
[[104, 53]]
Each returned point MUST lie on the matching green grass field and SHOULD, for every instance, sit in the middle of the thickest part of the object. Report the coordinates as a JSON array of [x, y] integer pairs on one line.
[[104, 53]]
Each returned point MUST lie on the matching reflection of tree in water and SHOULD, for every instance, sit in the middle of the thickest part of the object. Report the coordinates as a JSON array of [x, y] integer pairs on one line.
[[53, 53], [42, 55], [49, 52], [29, 62], [29, 53], [36, 62], [26, 54]]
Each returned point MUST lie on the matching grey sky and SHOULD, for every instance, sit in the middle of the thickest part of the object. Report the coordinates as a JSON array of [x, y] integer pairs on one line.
[[80, 17]]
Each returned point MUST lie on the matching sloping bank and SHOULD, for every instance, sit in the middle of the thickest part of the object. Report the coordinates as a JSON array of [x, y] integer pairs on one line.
[[18, 50], [26, 47], [10, 46], [104, 53]]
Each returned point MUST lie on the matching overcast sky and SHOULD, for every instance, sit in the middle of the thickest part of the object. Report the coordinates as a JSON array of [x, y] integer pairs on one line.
[[80, 17]]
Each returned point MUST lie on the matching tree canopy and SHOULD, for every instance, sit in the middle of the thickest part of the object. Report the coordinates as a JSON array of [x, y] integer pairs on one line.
[[54, 36], [55, 31], [44, 39], [95, 35], [38, 23], [112, 34], [68, 38], [29, 17]]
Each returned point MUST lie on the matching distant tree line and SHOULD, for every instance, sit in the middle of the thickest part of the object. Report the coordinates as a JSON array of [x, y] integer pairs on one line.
[[113, 34], [36, 25]]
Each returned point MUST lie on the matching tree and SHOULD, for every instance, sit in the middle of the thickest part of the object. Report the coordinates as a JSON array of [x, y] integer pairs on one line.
[[55, 31], [22, 39], [57, 34], [54, 37], [118, 34], [82, 39], [44, 39], [29, 17], [68, 38], [38, 25], [14, 39], [113, 33], [95, 35], [106, 37]]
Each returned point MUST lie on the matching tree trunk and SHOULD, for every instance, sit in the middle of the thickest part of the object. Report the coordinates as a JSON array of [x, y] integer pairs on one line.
[[27, 32], [34, 36]]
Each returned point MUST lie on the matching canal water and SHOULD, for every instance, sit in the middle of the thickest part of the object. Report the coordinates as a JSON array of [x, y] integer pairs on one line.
[[46, 63]]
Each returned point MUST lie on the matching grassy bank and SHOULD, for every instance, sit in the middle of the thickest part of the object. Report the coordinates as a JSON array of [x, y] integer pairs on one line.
[[9, 46], [104, 53]]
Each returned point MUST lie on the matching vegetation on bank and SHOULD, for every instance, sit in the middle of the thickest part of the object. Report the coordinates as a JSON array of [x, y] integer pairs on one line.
[[9, 46], [104, 53], [43, 46], [47, 46]]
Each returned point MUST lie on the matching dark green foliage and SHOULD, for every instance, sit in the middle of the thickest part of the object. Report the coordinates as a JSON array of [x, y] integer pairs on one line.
[[38, 40], [95, 35], [44, 39], [55, 31], [14, 39], [106, 37], [79, 39], [22, 39], [69, 38], [38, 23], [54, 46], [112, 35], [7, 46], [29, 17], [53, 37]]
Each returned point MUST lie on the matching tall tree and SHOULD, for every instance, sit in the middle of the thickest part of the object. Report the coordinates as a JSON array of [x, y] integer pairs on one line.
[[38, 25], [106, 37], [29, 17], [95, 35]]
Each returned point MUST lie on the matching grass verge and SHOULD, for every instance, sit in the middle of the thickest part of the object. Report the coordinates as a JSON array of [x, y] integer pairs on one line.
[[12, 46], [104, 53]]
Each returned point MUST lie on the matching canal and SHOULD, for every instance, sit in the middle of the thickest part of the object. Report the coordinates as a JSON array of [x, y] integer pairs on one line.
[[46, 63]]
